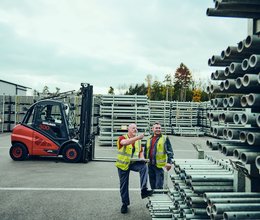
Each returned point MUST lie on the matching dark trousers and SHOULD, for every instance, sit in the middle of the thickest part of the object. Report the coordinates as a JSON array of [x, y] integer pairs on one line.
[[156, 176], [140, 167]]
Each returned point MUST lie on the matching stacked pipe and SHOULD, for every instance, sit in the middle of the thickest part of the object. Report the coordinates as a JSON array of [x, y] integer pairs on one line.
[[193, 178], [234, 205], [161, 205], [236, 85]]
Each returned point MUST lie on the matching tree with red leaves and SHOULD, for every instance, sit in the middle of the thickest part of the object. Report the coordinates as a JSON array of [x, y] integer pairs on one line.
[[183, 80]]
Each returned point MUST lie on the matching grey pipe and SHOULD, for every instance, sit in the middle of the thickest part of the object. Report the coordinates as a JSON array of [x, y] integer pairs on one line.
[[239, 82], [226, 72], [258, 120], [235, 68], [241, 215], [225, 102], [233, 134], [254, 61], [240, 46], [234, 14], [250, 80], [243, 100], [231, 51], [228, 116], [224, 207], [229, 84], [221, 86], [239, 151], [218, 130], [253, 138], [258, 78], [249, 118], [228, 150], [217, 61], [203, 189], [252, 41], [212, 177], [249, 157], [245, 64], [242, 136], [208, 195], [234, 101], [253, 100], [225, 183], [242, 6], [237, 118], [215, 88], [219, 75], [218, 102], [257, 162], [212, 201]]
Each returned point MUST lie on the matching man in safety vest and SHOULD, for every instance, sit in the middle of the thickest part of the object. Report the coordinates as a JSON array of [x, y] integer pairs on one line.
[[159, 152], [130, 157]]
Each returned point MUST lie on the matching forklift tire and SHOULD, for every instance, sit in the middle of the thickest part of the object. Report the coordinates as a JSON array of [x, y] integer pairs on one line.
[[18, 152], [71, 153]]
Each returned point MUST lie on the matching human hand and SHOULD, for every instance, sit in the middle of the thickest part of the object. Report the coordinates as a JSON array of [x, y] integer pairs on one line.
[[168, 166], [140, 136]]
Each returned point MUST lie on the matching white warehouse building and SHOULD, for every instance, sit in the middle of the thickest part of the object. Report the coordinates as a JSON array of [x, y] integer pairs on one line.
[[8, 88]]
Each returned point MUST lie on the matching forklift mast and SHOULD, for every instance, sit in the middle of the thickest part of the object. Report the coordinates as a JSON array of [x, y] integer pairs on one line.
[[86, 138]]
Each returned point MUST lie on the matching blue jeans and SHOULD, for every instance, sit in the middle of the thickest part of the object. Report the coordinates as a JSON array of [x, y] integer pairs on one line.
[[124, 179], [156, 176]]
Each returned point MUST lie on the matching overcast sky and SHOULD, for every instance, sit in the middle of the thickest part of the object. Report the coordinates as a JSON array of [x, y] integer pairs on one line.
[[61, 43]]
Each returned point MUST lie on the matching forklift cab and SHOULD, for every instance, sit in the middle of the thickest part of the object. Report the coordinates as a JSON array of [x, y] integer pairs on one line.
[[49, 118]]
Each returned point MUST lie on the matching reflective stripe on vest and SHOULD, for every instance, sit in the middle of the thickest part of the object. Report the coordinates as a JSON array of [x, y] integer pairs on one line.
[[125, 153], [161, 156]]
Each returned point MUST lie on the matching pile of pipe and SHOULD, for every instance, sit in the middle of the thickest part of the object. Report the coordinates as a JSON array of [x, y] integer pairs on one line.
[[235, 205], [192, 178], [235, 86]]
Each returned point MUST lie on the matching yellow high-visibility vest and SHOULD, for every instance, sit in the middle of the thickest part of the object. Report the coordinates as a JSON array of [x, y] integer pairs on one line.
[[161, 156], [125, 153]]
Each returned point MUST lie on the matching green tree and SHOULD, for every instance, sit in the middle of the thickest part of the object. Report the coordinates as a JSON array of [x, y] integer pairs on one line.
[[111, 91], [183, 80], [157, 91], [137, 89]]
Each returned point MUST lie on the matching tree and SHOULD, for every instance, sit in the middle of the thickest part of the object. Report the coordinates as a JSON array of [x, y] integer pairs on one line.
[[149, 83], [111, 91], [196, 95], [157, 91], [45, 90], [137, 90], [169, 90], [183, 79]]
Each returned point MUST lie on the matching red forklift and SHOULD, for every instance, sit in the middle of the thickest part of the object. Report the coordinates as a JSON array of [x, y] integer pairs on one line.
[[48, 130]]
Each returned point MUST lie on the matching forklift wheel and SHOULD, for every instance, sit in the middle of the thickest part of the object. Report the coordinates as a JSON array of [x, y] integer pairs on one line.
[[71, 153], [18, 152]]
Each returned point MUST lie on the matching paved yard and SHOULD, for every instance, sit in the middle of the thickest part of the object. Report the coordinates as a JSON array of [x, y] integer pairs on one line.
[[48, 188]]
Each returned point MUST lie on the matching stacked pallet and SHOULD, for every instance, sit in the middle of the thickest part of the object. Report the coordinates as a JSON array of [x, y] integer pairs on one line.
[[160, 112], [117, 112], [184, 118]]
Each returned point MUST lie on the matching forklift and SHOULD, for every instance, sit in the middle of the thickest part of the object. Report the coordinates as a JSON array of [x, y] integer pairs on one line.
[[48, 130]]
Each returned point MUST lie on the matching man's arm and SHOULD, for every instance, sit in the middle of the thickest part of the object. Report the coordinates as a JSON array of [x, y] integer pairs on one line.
[[125, 142], [168, 150]]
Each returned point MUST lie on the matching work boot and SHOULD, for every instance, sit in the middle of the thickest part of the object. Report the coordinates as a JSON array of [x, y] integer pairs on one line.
[[146, 193], [124, 209]]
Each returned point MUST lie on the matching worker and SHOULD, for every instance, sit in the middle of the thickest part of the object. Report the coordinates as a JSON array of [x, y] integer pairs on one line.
[[159, 152], [130, 157]]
